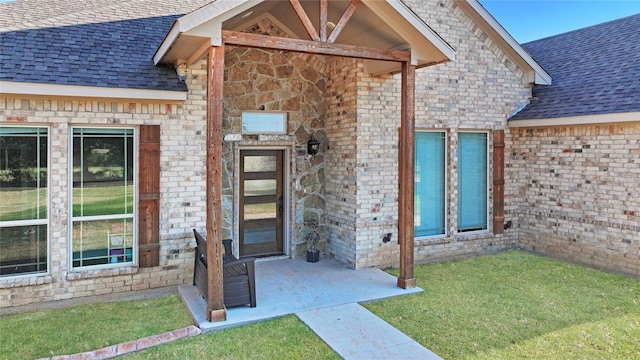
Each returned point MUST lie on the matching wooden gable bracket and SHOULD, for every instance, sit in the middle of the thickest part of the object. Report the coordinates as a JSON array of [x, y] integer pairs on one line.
[[343, 21], [322, 37]]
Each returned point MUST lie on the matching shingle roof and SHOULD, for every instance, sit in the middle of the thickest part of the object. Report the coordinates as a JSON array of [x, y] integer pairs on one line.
[[595, 70], [89, 43]]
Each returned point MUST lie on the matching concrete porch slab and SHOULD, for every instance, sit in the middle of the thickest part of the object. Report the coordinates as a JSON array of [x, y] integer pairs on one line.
[[289, 286]]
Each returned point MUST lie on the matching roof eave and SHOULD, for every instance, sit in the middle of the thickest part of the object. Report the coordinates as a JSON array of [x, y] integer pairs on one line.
[[511, 47], [168, 41], [595, 119], [205, 22], [41, 89]]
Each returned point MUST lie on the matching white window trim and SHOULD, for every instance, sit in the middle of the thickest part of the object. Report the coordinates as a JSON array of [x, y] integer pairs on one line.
[[134, 216], [46, 221], [445, 171], [488, 187]]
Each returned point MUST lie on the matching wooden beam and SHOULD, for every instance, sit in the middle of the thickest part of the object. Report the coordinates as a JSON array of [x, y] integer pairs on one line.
[[406, 161], [323, 20], [306, 22], [343, 21], [498, 181], [202, 50], [313, 47], [215, 82]]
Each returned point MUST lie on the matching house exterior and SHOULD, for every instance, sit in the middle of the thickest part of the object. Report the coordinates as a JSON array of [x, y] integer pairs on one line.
[[123, 126]]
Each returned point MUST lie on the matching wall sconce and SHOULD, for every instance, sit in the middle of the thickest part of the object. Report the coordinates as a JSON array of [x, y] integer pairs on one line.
[[313, 145]]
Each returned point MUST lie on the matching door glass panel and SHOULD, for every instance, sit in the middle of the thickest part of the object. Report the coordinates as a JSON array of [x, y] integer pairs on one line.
[[259, 231], [260, 187], [260, 163], [260, 211]]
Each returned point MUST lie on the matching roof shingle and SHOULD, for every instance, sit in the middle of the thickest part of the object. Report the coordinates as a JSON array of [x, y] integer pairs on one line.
[[595, 70], [112, 54], [89, 43]]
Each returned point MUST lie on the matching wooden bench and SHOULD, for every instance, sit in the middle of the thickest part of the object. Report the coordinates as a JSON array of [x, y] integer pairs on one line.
[[239, 284]]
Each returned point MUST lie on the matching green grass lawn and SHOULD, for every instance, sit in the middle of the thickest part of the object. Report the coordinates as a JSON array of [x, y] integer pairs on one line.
[[88, 327], [511, 305], [282, 338], [516, 305]]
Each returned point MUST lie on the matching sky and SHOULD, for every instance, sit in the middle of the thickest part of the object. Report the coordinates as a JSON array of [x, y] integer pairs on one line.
[[528, 20]]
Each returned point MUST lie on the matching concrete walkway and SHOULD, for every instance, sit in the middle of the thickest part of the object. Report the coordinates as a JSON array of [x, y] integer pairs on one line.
[[356, 333], [325, 296]]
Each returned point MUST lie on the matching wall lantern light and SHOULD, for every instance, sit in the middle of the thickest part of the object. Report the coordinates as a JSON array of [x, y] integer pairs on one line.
[[313, 145]]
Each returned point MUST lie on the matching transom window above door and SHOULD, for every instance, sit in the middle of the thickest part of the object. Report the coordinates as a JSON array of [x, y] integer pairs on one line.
[[264, 122]]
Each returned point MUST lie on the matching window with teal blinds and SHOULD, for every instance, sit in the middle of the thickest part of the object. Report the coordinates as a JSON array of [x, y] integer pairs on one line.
[[472, 181], [429, 208]]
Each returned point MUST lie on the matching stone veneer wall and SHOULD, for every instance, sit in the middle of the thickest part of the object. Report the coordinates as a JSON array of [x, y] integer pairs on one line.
[[295, 83], [578, 193], [182, 187]]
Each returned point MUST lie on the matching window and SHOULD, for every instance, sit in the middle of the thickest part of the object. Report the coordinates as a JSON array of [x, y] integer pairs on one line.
[[472, 181], [430, 183], [103, 196], [264, 122], [24, 209]]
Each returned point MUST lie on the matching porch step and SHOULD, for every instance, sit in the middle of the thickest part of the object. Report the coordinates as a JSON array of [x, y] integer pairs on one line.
[[355, 333]]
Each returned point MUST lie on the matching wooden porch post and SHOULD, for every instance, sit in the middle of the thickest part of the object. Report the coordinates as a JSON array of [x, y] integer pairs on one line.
[[406, 162], [215, 81], [498, 181]]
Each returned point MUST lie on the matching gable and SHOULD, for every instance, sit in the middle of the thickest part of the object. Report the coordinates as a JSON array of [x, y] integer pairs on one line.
[[507, 44], [387, 25]]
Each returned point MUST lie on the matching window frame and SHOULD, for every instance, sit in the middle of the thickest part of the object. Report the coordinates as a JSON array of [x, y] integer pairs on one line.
[[47, 220], [135, 202], [487, 228], [445, 135]]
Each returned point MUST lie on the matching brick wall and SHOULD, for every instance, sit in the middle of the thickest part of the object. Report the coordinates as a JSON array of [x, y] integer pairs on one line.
[[182, 187], [377, 169], [476, 91], [341, 180], [578, 193]]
